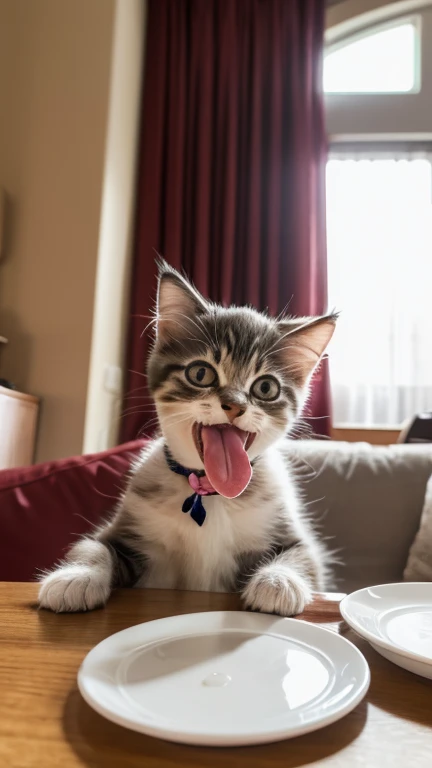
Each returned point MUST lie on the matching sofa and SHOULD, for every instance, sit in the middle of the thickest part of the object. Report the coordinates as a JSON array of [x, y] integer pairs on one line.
[[365, 501]]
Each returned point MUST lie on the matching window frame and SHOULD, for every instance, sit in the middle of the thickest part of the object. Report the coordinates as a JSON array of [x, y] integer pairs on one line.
[[377, 146], [372, 29]]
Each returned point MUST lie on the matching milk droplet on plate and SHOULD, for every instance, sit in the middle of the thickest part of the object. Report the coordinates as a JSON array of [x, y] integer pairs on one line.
[[217, 680]]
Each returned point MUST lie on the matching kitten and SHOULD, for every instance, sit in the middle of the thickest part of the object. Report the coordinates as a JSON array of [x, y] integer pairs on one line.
[[228, 385]]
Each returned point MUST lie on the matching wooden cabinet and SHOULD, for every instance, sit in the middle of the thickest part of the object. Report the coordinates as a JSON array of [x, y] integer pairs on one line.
[[18, 420]]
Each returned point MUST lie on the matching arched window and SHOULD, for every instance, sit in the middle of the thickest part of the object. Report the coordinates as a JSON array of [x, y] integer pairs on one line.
[[379, 221], [379, 60]]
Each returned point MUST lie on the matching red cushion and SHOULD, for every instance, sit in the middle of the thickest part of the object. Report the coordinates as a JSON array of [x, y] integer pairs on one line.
[[44, 508]]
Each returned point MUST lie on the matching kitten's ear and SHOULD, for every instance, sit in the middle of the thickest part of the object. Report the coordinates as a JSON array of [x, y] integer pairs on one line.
[[303, 342], [178, 302]]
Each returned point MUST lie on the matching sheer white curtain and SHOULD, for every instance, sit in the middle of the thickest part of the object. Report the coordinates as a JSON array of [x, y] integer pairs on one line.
[[379, 224]]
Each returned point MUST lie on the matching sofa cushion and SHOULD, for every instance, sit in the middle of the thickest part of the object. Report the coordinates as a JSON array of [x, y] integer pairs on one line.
[[367, 502], [44, 508], [419, 565]]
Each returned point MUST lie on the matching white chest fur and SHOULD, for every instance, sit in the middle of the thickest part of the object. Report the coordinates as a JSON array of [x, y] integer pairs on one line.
[[201, 557]]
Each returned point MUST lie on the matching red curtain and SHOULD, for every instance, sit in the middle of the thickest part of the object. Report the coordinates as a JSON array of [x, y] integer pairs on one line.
[[231, 171]]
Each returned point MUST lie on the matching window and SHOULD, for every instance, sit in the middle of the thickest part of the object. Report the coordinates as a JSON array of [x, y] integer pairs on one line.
[[383, 60], [379, 229], [379, 214]]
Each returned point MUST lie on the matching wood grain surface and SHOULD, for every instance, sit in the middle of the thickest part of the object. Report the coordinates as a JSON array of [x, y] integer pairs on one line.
[[44, 722]]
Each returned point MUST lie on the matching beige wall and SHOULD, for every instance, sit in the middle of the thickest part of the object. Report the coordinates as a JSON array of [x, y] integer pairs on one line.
[[116, 229], [55, 65]]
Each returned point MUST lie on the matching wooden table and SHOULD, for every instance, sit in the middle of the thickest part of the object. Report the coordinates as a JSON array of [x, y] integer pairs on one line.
[[44, 722]]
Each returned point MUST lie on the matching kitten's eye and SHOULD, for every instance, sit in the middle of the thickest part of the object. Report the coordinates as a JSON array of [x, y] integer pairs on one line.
[[266, 388], [201, 374]]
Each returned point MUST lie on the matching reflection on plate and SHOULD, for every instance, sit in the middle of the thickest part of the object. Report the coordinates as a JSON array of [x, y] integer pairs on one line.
[[411, 630], [225, 678], [397, 620]]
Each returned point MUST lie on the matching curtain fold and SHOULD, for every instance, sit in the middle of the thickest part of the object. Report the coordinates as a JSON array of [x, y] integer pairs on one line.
[[232, 166]]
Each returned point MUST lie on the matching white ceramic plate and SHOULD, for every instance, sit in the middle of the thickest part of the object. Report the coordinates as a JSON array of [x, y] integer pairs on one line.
[[224, 678], [397, 621]]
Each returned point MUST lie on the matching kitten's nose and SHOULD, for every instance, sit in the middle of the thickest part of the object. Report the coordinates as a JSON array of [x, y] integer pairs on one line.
[[232, 411]]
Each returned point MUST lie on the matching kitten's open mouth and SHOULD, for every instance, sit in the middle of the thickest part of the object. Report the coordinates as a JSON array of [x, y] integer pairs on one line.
[[223, 451]]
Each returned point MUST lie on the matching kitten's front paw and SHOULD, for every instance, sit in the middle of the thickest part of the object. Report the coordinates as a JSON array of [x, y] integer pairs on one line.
[[74, 588], [277, 589]]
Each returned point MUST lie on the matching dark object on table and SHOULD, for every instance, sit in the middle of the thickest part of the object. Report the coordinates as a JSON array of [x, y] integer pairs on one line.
[[7, 384], [418, 429]]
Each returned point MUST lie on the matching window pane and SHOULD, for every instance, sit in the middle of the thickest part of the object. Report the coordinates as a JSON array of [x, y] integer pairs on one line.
[[381, 62], [379, 229]]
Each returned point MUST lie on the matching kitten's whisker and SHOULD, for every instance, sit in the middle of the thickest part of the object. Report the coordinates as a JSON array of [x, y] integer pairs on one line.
[[136, 389], [292, 367], [184, 328], [179, 413], [137, 409], [144, 415], [215, 328], [185, 411], [148, 407], [201, 328], [151, 322], [315, 418], [138, 397], [278, 341], [138, 373], [284, 310], [178, 340], [176, 422], [145, 435]]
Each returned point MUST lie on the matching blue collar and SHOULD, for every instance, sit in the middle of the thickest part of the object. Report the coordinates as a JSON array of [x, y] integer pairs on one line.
[[193, 503]]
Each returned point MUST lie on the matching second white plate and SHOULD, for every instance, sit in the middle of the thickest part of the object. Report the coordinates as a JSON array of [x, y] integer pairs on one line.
[[397, 621], [225, 678]]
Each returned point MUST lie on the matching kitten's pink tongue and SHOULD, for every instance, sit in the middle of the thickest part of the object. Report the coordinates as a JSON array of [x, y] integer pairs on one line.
[[226, 462]]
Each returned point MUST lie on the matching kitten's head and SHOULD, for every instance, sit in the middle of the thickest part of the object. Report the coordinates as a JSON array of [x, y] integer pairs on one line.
[[235, 368]]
